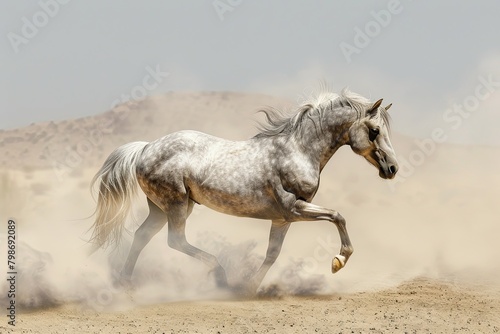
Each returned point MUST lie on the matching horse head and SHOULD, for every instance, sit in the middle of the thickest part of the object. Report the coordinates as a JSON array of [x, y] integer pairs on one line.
[[369, 137]]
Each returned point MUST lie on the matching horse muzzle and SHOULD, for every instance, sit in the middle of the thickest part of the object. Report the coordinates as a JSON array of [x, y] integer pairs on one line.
[[387, 168], [388, 172]]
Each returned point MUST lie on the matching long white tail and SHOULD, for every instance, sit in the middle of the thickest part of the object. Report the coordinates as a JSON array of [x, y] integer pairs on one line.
[[117, 186]]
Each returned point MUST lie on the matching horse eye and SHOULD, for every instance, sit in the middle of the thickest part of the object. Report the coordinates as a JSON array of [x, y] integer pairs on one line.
[[372, 134]]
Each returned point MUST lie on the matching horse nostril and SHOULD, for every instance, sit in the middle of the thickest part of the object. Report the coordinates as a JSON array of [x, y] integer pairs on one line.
[[393, 169]]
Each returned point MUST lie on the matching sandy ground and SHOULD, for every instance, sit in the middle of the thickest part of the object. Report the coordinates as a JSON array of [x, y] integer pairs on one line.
[[417, 306]]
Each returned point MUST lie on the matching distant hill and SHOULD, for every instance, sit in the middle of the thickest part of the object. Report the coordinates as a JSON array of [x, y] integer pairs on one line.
[[92, 138]]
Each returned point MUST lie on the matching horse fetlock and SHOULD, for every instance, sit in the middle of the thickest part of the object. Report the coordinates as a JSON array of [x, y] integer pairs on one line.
[[123, 281], [220, 276], [347, 251]]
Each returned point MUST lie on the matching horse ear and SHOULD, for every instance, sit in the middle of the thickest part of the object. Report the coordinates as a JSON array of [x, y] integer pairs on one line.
[[388, 106], [373, 110]]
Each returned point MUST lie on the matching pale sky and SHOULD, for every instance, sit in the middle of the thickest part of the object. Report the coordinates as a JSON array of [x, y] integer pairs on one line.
[[438, 62]]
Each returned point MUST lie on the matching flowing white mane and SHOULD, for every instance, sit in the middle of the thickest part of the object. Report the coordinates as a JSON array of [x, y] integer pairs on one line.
[[278, 123]]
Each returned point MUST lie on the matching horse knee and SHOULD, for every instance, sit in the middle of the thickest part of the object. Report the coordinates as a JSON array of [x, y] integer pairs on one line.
[[338, 219]]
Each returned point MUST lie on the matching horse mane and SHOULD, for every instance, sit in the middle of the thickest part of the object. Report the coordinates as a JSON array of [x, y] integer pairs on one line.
[[279, 123]]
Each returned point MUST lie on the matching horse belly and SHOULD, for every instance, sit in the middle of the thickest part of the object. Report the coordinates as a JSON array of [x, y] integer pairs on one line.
[[244, 203]]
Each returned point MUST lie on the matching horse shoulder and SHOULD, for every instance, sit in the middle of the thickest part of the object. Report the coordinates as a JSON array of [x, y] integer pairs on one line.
[[299, 176]]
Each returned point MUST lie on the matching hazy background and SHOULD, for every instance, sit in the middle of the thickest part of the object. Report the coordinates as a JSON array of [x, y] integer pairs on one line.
[[85, 55]]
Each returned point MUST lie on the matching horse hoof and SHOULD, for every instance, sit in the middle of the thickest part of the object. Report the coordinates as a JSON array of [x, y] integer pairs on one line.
[[243, 290], [338, 263]]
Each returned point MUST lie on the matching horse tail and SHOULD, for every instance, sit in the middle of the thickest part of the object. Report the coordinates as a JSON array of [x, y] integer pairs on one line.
[[117, 185]]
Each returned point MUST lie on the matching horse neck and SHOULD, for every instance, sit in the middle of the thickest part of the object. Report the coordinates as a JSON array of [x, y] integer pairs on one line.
[[321, 143]]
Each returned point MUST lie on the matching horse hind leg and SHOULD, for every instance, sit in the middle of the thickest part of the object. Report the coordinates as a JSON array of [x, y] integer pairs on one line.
[[148, 229], [177, 216]]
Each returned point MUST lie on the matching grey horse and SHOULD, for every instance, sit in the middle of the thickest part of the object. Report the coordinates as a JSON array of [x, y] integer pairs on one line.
[[273, 176]]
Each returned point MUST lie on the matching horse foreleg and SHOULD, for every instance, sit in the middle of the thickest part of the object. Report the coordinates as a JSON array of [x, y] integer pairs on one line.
[[303, 210], [177, 240], [276, 237], [151, 226]]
